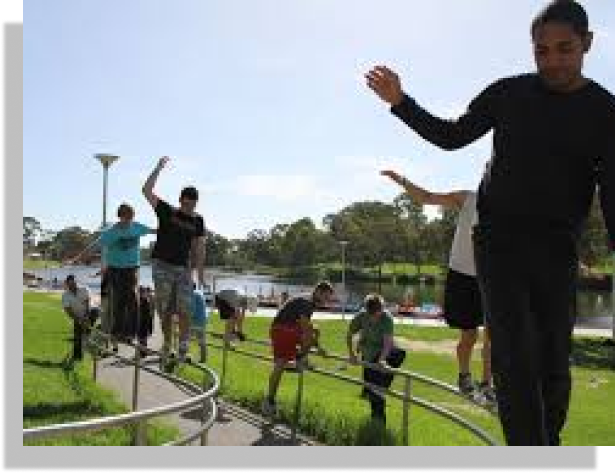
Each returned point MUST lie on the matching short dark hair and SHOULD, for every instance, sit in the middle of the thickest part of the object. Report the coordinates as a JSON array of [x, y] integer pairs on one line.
[[373, 303], [324, 286], [569, 12], [69, 278], [124, 208], [189, 192]]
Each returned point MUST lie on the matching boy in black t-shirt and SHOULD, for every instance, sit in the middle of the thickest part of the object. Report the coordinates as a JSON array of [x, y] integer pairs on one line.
[[179, 248]]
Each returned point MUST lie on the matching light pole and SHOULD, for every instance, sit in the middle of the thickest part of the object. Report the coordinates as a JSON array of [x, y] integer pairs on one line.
[[343, 243], [106, 160]]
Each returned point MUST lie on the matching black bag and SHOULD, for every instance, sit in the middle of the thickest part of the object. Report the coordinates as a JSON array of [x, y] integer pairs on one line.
[[396, 357]]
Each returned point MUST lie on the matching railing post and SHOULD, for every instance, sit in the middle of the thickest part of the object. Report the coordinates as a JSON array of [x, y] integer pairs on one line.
[[205, 410], [94, 360], [225, 347], [404, 427], [298, 399], [138, 430]]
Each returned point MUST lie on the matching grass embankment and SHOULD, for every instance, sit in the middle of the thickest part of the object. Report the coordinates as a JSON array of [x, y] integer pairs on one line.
[[54, 392], [334, 413]]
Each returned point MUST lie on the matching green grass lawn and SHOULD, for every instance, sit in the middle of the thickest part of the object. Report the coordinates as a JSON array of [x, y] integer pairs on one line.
[[53, 393], [39, 264], [334, 413]]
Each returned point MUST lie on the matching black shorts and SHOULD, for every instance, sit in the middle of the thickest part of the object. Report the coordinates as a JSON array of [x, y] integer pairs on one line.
[[225, 310], [463, 307]]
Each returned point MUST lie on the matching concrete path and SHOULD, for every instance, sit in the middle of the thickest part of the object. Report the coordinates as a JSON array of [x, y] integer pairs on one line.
[[234, 426]]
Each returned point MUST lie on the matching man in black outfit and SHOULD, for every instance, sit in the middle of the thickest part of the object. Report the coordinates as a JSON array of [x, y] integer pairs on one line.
[[553, 143]]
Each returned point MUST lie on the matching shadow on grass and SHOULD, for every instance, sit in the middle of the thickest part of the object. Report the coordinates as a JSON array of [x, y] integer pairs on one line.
[[593, 353], [374, 433], [67, 366], [44, 410]]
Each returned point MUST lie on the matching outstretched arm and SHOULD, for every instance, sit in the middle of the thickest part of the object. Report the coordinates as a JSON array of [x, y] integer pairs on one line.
[[447, 134], [424, 197], [148, 187]]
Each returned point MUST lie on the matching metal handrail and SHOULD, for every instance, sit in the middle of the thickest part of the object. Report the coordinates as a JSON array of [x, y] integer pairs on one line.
[[406, 397], [139, 416]]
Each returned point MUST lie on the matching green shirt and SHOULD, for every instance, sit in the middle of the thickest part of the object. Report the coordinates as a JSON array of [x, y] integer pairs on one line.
[[373, 331]]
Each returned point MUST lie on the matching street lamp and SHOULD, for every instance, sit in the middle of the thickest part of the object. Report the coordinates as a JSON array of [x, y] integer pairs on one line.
[[343, 243], [106, 160]]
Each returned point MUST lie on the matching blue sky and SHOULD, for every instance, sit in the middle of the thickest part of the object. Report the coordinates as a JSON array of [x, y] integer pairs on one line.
[[261, 104]]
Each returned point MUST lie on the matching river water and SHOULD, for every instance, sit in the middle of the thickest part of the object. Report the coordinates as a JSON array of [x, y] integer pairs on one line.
[[589, 303]]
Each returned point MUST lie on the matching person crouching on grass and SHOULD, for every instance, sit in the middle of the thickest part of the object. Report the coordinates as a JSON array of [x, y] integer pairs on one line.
[[292, 327]]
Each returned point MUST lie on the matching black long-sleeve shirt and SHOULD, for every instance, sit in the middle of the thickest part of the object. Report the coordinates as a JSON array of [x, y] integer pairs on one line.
[[550, 150]]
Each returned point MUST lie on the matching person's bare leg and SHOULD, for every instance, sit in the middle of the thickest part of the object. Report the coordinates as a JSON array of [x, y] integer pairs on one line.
[[486, 353], [274, 379], [466, 343], [184, 332]]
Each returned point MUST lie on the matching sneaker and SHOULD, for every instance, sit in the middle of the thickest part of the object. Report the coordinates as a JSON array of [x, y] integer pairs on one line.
[[488, 394], [466, 385], [269, 408], [185, 357]]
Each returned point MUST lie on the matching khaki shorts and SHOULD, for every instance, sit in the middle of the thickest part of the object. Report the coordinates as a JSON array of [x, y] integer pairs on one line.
[[173, 288]]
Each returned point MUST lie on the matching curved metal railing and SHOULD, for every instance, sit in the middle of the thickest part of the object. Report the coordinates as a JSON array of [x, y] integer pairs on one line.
[[202, 396], [406, 396]]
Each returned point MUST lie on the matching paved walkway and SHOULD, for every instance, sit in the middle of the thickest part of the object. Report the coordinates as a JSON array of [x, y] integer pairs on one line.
[[234, 427]]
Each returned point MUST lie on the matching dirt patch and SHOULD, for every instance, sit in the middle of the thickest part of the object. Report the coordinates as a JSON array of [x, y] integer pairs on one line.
[[441, 347]]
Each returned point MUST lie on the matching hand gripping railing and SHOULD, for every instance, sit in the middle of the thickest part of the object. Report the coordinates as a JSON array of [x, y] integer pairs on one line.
[[202, 396], [406, 397]]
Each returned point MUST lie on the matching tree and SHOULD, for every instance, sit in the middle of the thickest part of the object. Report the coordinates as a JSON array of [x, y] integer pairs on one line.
[[71, 241], [415, 233], [593, 247], [31, 231]]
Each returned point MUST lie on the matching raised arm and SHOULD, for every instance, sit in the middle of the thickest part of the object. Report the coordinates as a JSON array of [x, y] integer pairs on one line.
[[447, 134], [148, 187], [424, 197]]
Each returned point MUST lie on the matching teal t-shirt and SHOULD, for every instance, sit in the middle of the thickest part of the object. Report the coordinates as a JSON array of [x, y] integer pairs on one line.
[[121, 245], [373, 331]]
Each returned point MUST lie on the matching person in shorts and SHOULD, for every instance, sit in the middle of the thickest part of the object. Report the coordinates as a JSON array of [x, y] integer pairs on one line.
[[291, 329], [179, 248], [463, 307], [199, 321], [231, 305]]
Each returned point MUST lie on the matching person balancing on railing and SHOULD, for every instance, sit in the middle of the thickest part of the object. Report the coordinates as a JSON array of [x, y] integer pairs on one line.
[[553, 143], [462, 300], [179, 248], [292, 328]]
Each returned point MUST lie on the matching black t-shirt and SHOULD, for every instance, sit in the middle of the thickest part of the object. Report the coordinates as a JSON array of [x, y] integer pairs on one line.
[[550, 150], [293, 309], [176, 230]]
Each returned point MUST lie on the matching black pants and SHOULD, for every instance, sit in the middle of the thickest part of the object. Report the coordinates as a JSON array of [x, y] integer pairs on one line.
[[80, 329], [123, 301], [377, 401], [527, 279], [146, 319]]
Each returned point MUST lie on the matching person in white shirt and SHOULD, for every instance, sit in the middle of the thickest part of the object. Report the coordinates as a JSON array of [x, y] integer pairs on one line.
[[462, 298], [76, 304]]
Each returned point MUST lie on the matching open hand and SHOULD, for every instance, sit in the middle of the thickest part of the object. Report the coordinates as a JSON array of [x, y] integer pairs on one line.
[[386, 84], [163, 162]]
